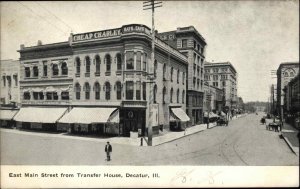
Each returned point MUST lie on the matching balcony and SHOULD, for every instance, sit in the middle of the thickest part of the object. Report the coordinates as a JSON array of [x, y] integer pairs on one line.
[[134, 104]]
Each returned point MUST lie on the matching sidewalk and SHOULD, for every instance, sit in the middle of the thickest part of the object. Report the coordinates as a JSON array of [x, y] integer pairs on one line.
[[289, 134]]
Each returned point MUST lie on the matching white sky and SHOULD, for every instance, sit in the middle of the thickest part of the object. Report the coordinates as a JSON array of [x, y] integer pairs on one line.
[[255, 36]]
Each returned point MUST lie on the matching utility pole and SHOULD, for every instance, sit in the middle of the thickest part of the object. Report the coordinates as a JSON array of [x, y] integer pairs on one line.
[[151, 5]]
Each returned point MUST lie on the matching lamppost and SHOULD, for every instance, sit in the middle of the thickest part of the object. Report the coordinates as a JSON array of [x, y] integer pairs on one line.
[[151, 5]]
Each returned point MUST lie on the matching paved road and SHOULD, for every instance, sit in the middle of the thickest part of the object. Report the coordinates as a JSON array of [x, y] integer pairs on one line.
[[243, 142]]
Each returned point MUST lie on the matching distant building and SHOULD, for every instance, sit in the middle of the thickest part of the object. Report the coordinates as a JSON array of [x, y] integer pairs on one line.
[[224, 76], [285, 73], [213, 99], [190, 43], [10, 88]]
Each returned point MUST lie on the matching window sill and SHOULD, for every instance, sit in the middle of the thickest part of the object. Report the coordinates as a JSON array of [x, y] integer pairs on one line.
[[107, 73], [77, 74], [97, 73]]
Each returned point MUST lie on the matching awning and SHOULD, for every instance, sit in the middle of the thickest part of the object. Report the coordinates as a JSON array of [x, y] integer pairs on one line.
[[172, 118], [222, 113], [87, 115], [7, 114], [211, 114], [180, 114], [39, 114], [115, 117]]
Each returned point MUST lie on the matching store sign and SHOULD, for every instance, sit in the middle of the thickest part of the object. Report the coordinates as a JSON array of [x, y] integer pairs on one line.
[[91, 36], [167, 37]]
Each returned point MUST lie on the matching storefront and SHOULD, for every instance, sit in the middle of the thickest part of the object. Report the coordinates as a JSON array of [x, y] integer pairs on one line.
[[132, 121], [178, 119], [6, 117]]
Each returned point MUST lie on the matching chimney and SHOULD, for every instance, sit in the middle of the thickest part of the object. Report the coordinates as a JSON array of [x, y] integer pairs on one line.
[[22, 46], [39, 42]]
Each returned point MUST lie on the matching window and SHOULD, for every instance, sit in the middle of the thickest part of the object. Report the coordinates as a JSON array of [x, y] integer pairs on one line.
[[129, 90], [64, 68], [52, 96], [16, 80], [155, 67], [27, 72], [194, 69], [144, 91], [35, 71], [201, 83], [183, 96], [49, 95], [145, 59], [215, 77], [194, 82], [129, 60], [77, 66], [172, 74], [87, 64], [54, 69], [97, 61], [45, 68], [164, 72], [177, 95], [291, 74], [26, 96], [138, 60], [65, 95], [8, 81], [4, 81], [41, 95], [171, 95], [184, 43], [119, 90], [154, 93], [77, 91], [108, 63], [119, 62], [198, 70], [164, 95], [97, 91], [138, 90], [87, 89], [107, 91], [183, 77], [35, 95]]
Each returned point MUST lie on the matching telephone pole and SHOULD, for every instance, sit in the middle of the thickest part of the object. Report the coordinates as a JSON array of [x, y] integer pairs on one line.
[[151, 5]]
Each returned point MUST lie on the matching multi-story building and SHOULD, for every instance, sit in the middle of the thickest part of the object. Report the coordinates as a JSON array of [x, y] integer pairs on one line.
[[285, 73], [213, 99], [10, 89], [191, 43], [224, 76], [102, 79]]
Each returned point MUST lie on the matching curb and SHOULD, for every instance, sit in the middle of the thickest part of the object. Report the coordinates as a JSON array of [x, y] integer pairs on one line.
[[290, 145]]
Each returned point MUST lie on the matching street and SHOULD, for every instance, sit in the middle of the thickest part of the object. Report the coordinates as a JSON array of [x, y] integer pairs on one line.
[[244, 142]]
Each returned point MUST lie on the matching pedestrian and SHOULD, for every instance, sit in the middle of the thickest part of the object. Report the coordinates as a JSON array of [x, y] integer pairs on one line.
[[108, 150]]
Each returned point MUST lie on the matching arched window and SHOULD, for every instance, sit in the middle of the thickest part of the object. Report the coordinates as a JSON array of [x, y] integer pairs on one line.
[[54, 69], [87, 90], [178, 73], [155, 67], [164, 95], [77, 91], [26, 95], [108, 62], [172, 74], [77, 62], [87, 64], [119, 61], [64, 68], [97, 90], [97, 62], [183, 77], [286, 74], [145, 58], [183, 96], [177, 95], [171, 95], [164, 72], [118, 90], [292, 74], [154, 93], [107, 91]]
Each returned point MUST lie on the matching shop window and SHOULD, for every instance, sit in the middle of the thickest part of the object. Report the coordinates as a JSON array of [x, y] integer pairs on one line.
[[154, 93], [65, 95], [119, 61], [26, 96], [77, 91], [177, 95], [54, 69], [98, 62], [129, 90], [27, 71], [119, 90], [138, 60], [171, 95], [129, 60], [87, 89], [64, 68], [108, 62], [78, 65], [145, 59], [183, 96], [107, 91], [164, 95], [35, 71], [144, 90], [97, 91]]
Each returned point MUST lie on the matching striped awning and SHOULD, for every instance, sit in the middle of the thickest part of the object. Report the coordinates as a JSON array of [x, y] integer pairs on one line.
[[7, 114]]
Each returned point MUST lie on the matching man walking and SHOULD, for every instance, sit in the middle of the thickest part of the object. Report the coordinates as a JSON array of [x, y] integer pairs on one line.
[[108, 150]]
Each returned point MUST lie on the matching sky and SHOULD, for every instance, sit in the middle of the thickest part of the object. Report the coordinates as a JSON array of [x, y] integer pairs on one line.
[[255, 36]]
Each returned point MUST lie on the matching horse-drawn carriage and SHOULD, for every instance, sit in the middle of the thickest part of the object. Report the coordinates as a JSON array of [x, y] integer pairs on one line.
[[222, 121]]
